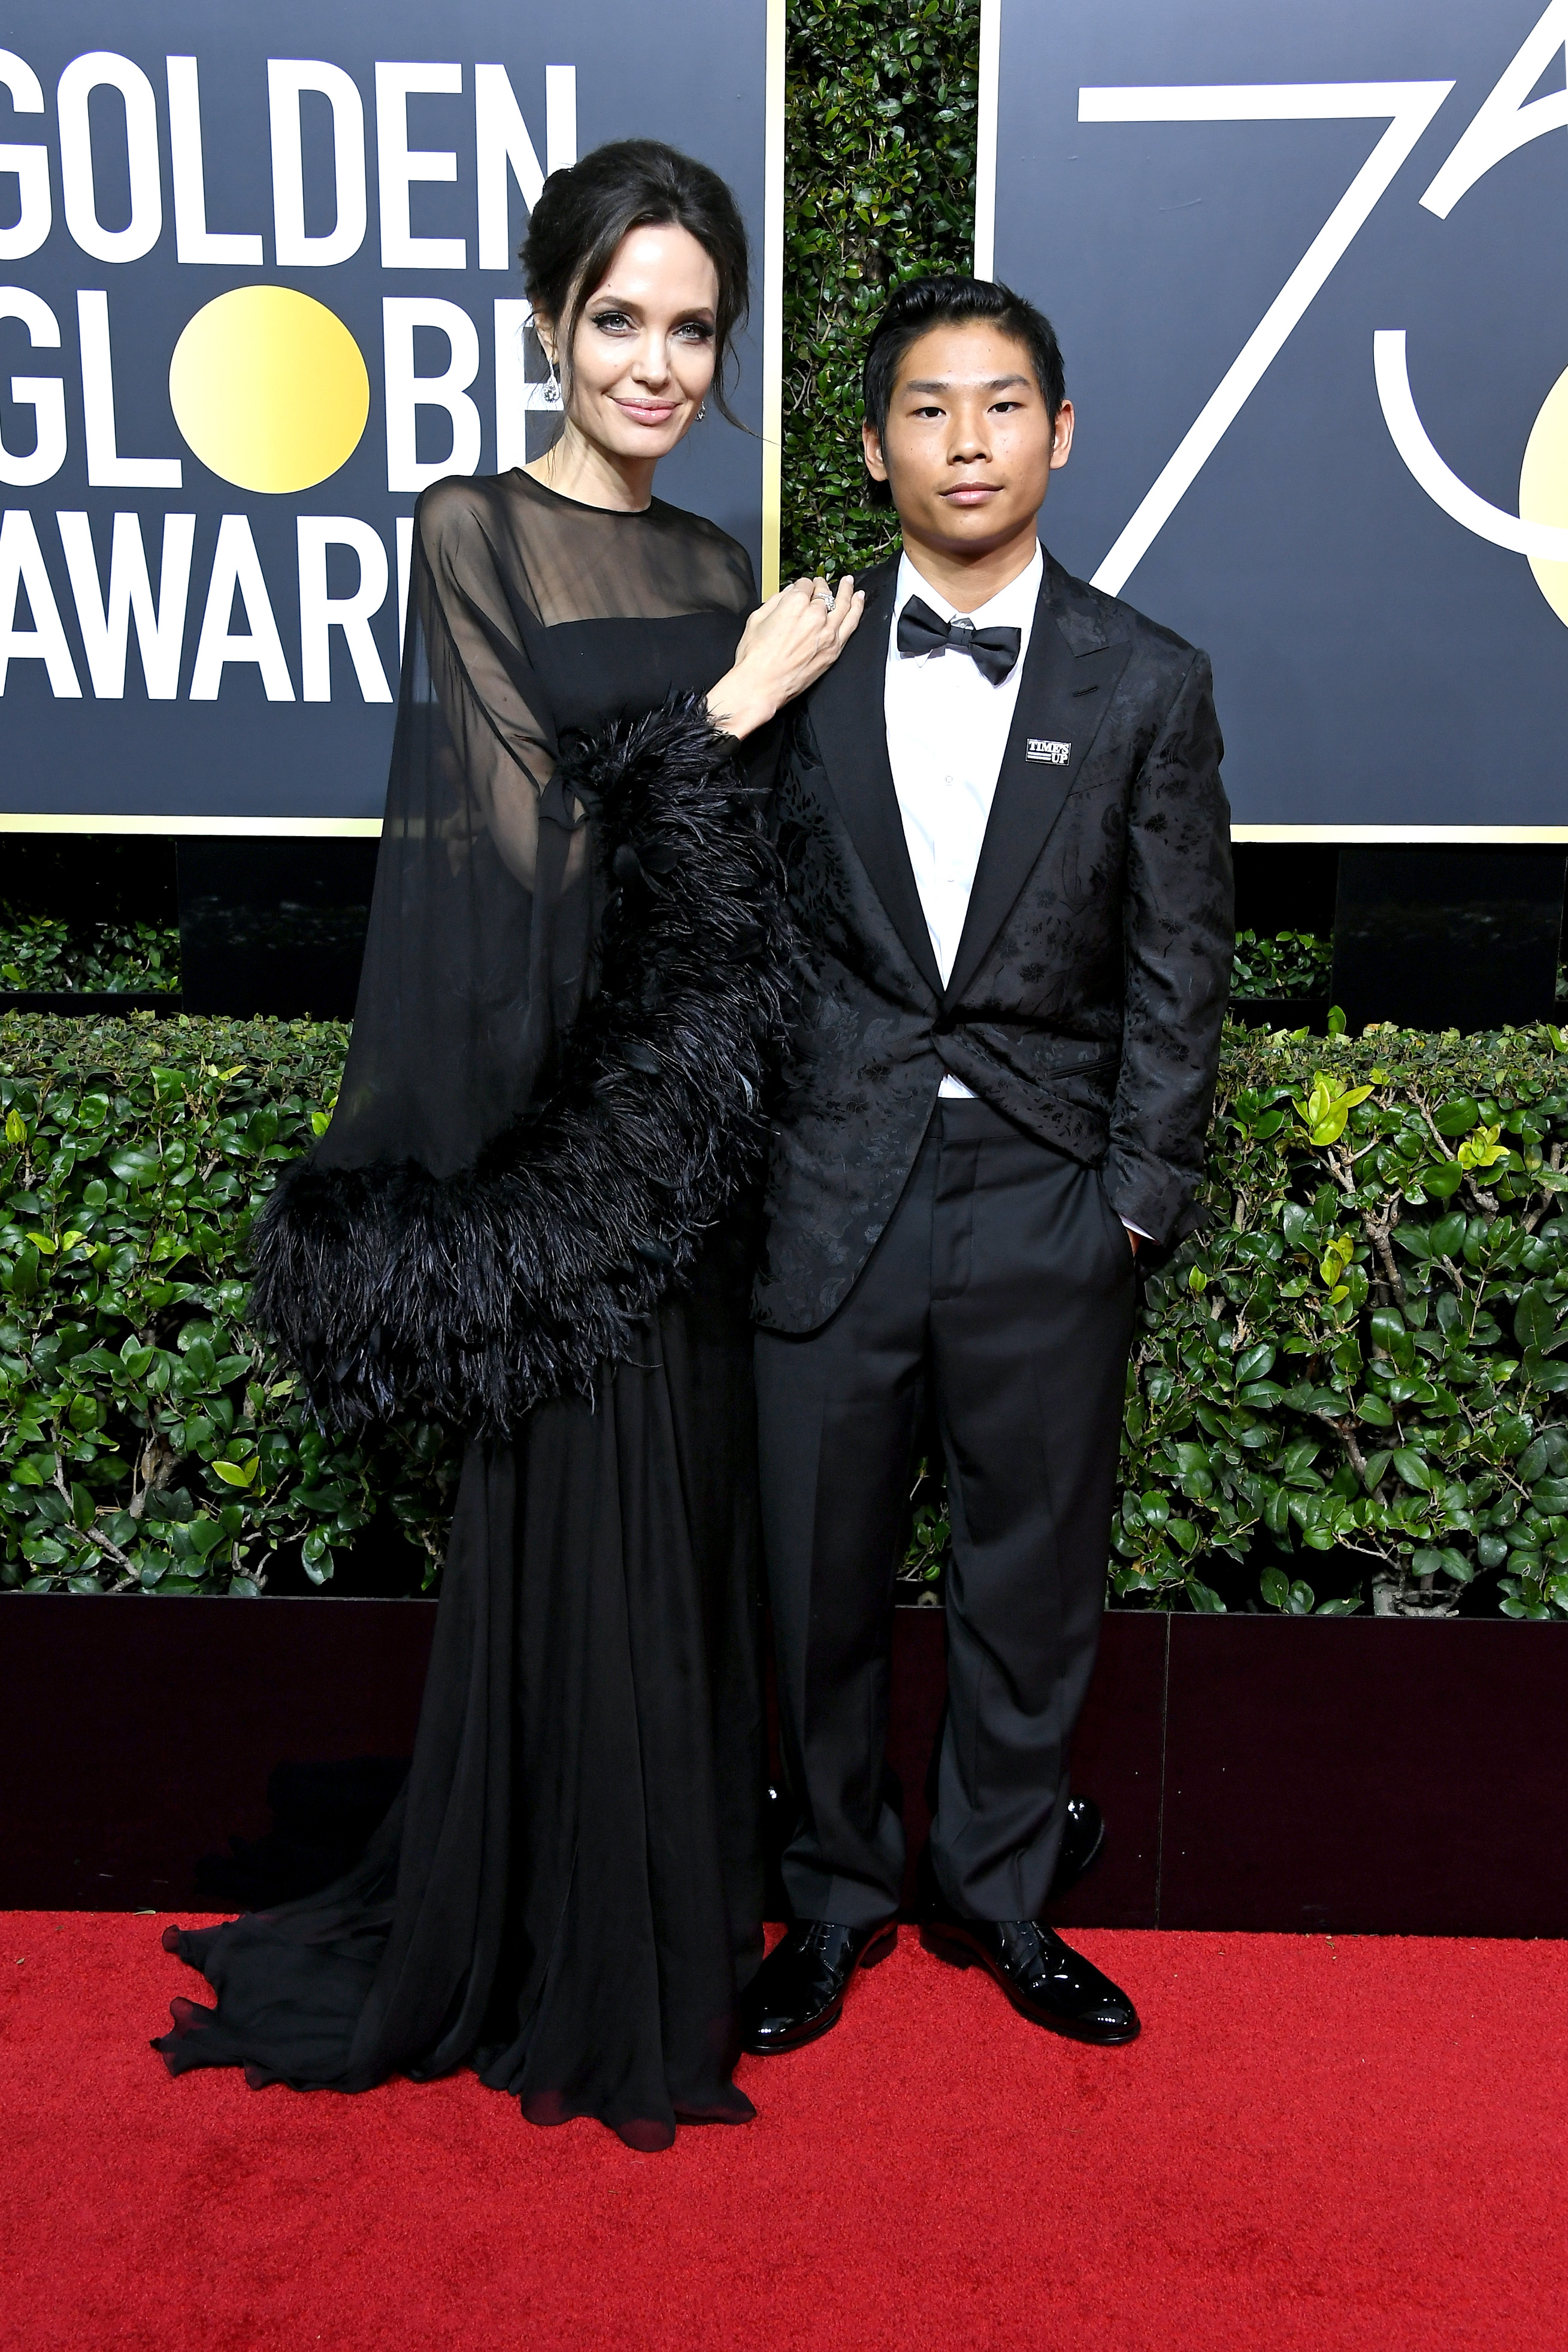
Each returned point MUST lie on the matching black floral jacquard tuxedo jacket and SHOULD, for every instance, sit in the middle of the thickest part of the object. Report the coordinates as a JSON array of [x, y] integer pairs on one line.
[[1089, 984]]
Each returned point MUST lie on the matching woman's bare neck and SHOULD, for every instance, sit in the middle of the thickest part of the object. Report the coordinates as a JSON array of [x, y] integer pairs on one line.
[[577, 469]]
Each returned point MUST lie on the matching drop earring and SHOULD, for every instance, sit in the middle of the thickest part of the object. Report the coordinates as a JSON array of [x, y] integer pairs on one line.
[[701, 410]]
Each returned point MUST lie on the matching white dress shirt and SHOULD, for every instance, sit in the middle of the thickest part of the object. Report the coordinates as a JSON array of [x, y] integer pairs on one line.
[[947, 729]]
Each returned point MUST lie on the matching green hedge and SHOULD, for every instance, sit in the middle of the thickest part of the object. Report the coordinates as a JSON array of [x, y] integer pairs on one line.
[[1356, 1372], [52, 953], [148, 1441], [1281, 964], [879, 186], [1362, 1355]]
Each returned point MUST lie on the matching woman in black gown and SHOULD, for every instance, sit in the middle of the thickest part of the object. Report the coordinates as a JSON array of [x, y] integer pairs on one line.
[[528, 1215]]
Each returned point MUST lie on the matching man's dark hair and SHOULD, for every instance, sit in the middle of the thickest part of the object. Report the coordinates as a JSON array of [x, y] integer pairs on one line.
[[926, 302], [585, 210]]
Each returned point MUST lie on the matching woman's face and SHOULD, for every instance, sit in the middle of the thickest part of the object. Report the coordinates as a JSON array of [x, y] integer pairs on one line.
[[642, 358]]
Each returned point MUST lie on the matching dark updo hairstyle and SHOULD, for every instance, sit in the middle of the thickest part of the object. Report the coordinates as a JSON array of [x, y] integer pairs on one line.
[[584, 214], [924, 302]]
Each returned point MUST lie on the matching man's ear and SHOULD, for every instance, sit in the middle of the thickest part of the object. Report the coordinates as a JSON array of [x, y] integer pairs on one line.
[[871, 443]]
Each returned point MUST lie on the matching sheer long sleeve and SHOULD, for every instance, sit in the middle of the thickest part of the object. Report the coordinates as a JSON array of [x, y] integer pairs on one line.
[[475, 955], [491, 697], [574, 977]]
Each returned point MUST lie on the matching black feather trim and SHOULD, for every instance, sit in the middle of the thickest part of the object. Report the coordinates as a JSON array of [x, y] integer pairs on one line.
[[470, 1297]]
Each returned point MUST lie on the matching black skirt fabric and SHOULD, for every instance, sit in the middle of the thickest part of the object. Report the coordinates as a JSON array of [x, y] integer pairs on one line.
[[572, 990], [567, 1896]]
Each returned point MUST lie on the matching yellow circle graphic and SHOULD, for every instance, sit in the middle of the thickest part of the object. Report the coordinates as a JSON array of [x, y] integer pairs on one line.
[[269, 388], [1543, 489]]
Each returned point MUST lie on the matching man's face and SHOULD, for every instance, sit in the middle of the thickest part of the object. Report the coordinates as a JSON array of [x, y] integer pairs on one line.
[[968, 449]]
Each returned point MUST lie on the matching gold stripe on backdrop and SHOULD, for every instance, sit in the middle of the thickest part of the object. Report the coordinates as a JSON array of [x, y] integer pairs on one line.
[[368, 828], [1351, 836], [308, 828]]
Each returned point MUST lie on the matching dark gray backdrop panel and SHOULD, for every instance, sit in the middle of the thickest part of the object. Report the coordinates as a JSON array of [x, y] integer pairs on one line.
[[1376, 663], [692, 73]]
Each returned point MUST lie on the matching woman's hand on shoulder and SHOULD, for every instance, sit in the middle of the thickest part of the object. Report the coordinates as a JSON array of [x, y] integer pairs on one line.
[[787, 644]]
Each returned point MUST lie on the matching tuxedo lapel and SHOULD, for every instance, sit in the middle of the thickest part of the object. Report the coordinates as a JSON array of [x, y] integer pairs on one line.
[[1063, 696], [848, 719]]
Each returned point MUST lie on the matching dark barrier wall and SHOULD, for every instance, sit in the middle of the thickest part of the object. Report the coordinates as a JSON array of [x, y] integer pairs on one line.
[[258, 287], [1307, 269]]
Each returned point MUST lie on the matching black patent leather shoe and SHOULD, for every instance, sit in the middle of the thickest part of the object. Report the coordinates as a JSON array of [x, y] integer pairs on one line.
[[1045, 1982], [798, 1993], [1083, 1842]]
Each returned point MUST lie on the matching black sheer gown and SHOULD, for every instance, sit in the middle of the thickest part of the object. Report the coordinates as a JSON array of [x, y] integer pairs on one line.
[[529, 1214]]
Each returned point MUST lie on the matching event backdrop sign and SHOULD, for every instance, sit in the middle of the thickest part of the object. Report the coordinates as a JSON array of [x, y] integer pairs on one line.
[[1309, 270], [257, 287]]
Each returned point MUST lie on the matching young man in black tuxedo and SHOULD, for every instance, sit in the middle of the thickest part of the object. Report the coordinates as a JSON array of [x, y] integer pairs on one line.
[[1008, 847]]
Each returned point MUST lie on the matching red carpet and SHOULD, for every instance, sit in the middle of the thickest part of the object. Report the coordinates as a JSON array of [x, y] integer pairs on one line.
[[1316, 2144]]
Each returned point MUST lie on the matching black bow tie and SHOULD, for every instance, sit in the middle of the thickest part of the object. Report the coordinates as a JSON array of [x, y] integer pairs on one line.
[[993, 651]]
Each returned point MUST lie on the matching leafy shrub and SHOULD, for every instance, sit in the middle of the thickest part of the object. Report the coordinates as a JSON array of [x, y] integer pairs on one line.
[[1362, 1352], [879, 186], [147, 1439], [47, 954], [1363, 1356], [1281, 964]]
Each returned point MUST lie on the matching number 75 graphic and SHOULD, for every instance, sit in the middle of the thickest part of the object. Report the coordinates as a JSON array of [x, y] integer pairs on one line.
[[1506, 120]]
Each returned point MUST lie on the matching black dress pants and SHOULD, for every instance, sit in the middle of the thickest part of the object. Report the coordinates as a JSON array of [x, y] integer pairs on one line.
[[1000, 1294]]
